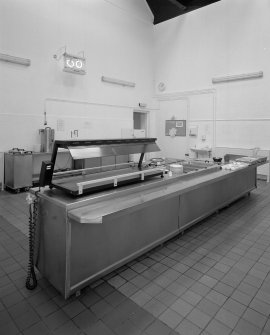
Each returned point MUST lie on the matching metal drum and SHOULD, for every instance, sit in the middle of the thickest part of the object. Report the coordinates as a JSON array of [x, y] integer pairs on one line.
[[47, 139]]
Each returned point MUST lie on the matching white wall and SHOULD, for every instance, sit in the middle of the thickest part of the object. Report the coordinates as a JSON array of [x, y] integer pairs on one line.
[[171, 146], [228, 37], [117, 40]]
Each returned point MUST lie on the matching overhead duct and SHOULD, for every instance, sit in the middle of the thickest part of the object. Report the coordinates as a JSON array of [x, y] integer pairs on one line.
[[177, 4]]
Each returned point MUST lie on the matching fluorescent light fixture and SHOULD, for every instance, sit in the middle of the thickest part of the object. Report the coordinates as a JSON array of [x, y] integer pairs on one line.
[[237, 77], [15, 60], [117, 81]]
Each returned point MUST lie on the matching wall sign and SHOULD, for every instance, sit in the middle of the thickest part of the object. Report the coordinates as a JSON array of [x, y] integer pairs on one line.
[[175, 128], [74, 64]]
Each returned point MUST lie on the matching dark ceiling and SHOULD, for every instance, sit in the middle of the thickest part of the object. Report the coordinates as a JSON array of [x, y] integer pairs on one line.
[[164, 10]]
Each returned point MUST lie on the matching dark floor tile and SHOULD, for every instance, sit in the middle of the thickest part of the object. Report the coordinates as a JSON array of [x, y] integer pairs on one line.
[[216, 327], [39, 329], [150, 274], [176, 289], [141, 298], [260, 306], [68, 328], [266, 329], [166, 297], [216, 297], [234, 307], [244, 327], [227, 318], [115, 318], [191, 297], [215, 273], [180, 267], [56, 319], [129, 307], [186, 327], [254, 281], [139, 267], [263, 296], [208, 281], [101, 308], [254, 317], [224, 289], [74, 308], [19, 309], [241, 297], [98, 328], [185, 281], [27, 319], [222, 267], [182, 307], [158, 328], [171, 318], [127, 328], [203, 268], [208, 307], [9, 328], [193, 274], [139, 281], [117, 281], [85, 320], [46, 308], [115, 298], [142, 319], [159, 267], [104, 289], [155, 307], [153, 289], [163, 281], [200, 289], [89, 298], [168, 262], [39, 298], [199, 318]]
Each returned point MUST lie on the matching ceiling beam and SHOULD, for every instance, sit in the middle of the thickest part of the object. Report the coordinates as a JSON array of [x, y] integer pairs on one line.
[[177, 4]]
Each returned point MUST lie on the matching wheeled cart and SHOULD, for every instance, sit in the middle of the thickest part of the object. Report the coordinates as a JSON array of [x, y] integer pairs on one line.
[[18, 170]]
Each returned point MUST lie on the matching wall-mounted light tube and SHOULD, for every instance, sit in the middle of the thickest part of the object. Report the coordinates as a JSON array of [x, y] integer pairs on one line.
[[15, 60], [117, 81], [237, 77]]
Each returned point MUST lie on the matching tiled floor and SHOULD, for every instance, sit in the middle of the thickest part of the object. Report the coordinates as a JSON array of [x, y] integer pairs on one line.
[[213, 280]]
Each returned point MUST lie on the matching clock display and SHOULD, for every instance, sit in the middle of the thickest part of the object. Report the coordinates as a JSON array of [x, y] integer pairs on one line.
[[74, 64]]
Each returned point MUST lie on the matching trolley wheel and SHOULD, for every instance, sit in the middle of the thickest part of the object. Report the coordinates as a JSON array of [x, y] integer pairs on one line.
[[27, 189], [17, 190]]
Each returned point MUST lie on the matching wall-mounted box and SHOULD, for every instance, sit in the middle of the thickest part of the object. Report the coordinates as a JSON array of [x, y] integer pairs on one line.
[[193, 131]]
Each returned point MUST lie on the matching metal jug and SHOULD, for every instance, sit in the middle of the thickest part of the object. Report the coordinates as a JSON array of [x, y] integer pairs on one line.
[[47, 139]]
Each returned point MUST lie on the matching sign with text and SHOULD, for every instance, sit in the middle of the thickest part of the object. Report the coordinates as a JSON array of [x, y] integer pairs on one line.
[[74, 64]]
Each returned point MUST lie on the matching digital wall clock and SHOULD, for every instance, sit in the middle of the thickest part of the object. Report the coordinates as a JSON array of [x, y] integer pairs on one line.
[[74, 64]]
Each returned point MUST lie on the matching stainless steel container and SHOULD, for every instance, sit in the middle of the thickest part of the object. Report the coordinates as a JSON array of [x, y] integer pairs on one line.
[[18, 170], [47, 139]]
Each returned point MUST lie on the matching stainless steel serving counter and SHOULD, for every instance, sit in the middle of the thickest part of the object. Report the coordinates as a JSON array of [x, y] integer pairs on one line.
[[82, 239]]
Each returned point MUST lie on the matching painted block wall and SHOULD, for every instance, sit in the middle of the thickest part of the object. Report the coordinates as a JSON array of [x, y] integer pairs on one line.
[[117, 40], [226, 38], [116, 37]]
